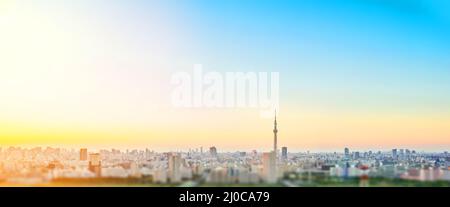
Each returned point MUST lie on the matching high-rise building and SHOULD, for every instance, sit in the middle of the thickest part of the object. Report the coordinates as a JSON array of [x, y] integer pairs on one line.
[[394, 153], [83, 154], [284, 153], [174, 165], [356, 155], [269, 167], [213, 151], [95, 164], [347, 153], [402, 153]]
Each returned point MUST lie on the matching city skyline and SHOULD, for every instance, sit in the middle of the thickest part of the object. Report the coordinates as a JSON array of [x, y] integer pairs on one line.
[[112, 167], [196, 167], [200, 149], [197, 149]]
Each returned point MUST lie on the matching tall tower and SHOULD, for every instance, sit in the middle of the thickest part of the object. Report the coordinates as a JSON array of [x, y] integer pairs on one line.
[[275, 131]]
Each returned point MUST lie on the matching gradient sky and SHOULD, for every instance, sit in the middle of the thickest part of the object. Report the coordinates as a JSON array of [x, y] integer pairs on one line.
[[371, 74]]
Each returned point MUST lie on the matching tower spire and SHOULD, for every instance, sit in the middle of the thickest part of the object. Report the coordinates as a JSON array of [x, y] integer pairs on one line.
[[275, 116]]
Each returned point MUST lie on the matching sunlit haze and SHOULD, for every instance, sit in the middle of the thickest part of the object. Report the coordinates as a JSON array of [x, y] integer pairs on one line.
[[365, 74]]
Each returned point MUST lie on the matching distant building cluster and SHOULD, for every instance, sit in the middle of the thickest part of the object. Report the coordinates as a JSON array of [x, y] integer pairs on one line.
[[43, 165], [402, 163], [19, 165], [35, 165]]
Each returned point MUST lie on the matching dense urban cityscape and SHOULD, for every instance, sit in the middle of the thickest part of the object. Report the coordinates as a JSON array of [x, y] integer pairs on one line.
[[197, 167], [40, 166]]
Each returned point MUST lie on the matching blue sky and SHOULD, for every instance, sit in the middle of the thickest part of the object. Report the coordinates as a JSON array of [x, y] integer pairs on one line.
[[396, 51]]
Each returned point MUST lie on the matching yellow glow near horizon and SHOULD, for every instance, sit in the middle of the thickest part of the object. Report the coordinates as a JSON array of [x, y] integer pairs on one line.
[[303, 130]]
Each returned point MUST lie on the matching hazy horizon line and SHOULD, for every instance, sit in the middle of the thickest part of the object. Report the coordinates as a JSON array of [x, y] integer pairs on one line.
[[221, 150]]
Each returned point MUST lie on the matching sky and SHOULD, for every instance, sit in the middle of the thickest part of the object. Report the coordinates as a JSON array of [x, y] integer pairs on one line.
[[371, 74]]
